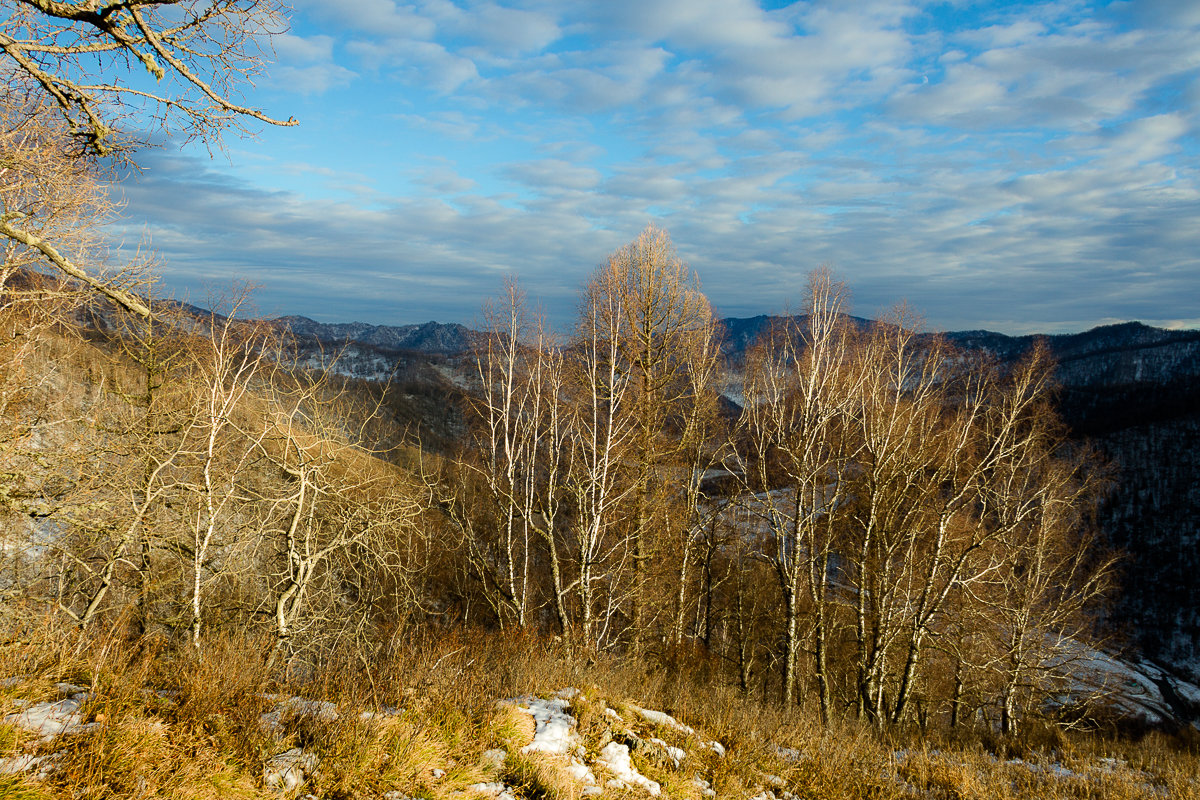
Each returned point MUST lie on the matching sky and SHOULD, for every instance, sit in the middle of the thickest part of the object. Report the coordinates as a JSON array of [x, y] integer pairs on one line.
[[1021, 167]]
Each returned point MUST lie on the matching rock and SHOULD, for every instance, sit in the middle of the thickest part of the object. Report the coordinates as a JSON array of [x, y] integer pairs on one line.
[[287, 771]]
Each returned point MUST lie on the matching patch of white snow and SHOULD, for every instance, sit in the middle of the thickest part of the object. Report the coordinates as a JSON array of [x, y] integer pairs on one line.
[[554, 726], [676, 754], [666, 720], [615, 758], [51, 719], [40, 766], [296, 707]]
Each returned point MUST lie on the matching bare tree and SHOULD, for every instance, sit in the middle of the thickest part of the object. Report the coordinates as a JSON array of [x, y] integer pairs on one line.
[[920, 499], [339, 504], [703, 446], [648, 302], [603, 435], [800, 380], [1051, 574], [139, 433], [228, 356], [516, 460], [73, 94], [199, 54]]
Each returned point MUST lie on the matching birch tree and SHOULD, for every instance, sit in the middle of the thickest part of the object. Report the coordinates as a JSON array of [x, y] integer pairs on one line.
[[341, 505], [227, 358], [799, 383], [603, 433]]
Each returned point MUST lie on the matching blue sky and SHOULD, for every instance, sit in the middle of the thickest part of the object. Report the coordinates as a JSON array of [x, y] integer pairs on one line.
[[1019, 167]]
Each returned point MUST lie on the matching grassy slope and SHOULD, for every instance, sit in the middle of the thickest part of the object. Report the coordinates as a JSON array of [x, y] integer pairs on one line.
[[187, 724]]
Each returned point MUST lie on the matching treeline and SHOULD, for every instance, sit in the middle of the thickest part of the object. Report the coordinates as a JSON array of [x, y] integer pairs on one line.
[[886, 526], [880, 525]]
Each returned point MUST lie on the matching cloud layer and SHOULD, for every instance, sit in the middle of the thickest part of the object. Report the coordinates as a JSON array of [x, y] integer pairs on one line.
[[1020, 167]]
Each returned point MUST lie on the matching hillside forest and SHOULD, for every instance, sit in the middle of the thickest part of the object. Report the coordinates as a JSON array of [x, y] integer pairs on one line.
[[881, 525], [840, 526]]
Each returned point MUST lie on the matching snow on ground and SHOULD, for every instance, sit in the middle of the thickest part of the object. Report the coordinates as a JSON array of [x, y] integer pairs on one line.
[[666, 720], [53, 718], [1132, 689], [291, 707], [555, 731], [615, 758], [676, 754], [493, 789], [39, 767]]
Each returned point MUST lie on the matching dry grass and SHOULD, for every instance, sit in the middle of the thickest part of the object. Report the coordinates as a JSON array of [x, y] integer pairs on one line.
[[182, 723]]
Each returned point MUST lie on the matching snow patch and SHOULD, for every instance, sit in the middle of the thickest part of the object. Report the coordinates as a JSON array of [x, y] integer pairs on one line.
[[554, 732], [53, 718], [615, 758], [676, 754], [493, 789], [40, 766], [666, 720], [297, 707]]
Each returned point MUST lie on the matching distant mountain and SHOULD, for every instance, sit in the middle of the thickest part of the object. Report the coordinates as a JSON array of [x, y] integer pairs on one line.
[[431, 337], [1108, 355]]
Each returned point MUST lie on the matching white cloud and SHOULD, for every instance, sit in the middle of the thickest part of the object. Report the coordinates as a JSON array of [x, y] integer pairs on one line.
[[1147, 140], [427, 63], [552, 176], [305, 65], [1027, 171], [503, 31], [383, 18]]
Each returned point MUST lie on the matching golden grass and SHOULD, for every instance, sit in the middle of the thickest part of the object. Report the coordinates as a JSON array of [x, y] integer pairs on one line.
[[182, 723]]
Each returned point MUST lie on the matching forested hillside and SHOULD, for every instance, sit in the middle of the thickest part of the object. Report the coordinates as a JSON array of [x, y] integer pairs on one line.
[[244, 557], [882, 513]]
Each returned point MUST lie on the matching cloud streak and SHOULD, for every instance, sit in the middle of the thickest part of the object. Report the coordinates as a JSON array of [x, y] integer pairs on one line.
[[1021, 167]]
